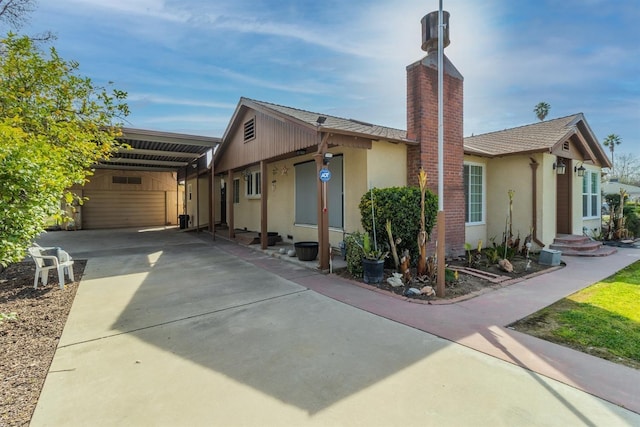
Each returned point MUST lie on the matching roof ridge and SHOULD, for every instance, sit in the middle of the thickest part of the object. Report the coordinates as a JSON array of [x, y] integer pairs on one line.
[[524, 126], [362, 122]]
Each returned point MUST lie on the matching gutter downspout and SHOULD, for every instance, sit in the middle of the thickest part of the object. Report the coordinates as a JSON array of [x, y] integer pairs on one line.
[[534, 201]]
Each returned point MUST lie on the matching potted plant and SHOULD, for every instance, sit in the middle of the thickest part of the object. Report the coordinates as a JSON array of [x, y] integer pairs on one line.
[[372, 261]]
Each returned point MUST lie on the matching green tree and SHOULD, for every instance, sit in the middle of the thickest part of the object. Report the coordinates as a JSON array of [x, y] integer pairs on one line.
[[541, 110], [54, 125], [611, 141]]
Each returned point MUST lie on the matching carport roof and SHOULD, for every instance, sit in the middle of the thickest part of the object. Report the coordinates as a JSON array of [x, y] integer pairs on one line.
[[158, 151]]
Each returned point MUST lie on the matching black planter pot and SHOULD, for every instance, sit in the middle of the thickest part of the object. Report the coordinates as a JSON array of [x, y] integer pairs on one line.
[[306, 251], [373, 270]]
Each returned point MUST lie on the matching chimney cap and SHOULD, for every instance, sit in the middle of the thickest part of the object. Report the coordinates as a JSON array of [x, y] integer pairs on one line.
[[430, 31]]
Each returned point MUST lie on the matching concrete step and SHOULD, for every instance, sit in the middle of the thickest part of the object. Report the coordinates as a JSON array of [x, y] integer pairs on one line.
[[574, 245], [601, 251], [582, 246]]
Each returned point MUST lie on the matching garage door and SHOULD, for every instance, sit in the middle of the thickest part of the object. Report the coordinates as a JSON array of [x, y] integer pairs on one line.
[[119, 209]]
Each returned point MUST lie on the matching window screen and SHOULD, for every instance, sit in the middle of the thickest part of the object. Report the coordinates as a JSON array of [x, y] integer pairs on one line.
[[306, 193]]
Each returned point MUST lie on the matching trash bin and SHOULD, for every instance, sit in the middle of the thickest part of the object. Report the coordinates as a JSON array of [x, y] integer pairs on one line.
[[184, 220]]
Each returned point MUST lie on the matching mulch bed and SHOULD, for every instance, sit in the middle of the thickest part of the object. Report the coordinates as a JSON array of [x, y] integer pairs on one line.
[[29, 339], [466, 285]]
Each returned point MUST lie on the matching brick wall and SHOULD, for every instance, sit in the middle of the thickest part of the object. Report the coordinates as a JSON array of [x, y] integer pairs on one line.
[[422, 125]]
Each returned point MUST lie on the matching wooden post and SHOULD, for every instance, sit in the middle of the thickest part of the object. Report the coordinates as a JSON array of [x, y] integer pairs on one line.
[[198, 199], [264, 224], [212, 204], [230, 195], [323, 214]]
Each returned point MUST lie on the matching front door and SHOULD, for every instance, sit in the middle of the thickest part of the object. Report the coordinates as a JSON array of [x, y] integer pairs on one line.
[[563, 200]]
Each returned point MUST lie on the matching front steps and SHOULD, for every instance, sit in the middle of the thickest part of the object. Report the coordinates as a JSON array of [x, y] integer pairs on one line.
[[573, 245]]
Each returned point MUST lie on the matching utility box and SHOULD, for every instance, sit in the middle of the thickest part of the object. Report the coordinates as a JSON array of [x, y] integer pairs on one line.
[[549, 257]]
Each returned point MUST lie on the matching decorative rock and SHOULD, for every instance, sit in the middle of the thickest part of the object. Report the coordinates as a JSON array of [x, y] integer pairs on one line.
[[283, 250], [411, 292], [291, 252], [395, 280], [428, 291], [505, 265]]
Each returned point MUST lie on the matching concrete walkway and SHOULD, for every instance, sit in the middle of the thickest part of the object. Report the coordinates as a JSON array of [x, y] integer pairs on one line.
[[170, 328]]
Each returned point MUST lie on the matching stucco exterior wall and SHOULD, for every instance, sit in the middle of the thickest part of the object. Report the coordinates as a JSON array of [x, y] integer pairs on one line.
[[505, 174], [386, 165], [203, 200], [355, 174], [281, 190], [547, 190]]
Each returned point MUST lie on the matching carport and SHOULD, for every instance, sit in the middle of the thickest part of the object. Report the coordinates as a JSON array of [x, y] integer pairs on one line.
[[143, 184]]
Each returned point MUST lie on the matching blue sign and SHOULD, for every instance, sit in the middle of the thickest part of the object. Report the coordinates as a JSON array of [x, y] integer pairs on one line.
[[325, 175]]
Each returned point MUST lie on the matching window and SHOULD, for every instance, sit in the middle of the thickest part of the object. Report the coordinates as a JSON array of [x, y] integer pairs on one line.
[[590, 194], [307, 193], [254, 184], [236, 191], [126, 180], [249, 129], [474, 193]]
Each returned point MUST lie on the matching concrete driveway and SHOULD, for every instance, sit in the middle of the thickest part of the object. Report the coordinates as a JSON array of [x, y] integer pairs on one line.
[[170, 328]]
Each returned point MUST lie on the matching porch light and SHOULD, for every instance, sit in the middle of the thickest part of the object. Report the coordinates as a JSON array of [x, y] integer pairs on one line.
[[327, 158], [559, 167], [579, 170]]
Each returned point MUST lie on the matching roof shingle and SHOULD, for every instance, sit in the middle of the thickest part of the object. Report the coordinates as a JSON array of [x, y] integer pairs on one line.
[[535, 137], [337, 124]]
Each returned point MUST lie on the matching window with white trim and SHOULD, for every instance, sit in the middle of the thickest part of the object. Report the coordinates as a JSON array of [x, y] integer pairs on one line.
[[591, 194], [474, 193], [254, 184]]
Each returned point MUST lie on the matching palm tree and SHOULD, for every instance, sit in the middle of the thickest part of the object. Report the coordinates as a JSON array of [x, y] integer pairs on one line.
[[541, 110], [611, 141]]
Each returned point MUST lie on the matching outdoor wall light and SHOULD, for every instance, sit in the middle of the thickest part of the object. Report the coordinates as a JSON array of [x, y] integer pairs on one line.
[[327, 158], [559, 167], [579, 170], [194, 165], [301, 152]]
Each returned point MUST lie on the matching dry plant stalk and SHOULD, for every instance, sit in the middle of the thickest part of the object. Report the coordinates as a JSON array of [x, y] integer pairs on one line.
[[392, 244], [422, 234]]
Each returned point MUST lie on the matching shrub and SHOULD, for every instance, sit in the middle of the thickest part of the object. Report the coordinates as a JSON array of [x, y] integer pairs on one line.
[[632, 220], [355, 253], [401, 205]]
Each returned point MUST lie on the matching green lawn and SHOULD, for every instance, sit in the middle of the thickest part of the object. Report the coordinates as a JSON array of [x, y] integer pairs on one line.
[[603, 319]]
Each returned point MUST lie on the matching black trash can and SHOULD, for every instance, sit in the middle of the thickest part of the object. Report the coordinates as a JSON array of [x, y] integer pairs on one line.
[[184, 220]]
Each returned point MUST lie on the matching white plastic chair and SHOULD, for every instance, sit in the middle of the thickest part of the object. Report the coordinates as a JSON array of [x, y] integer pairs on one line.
[[61, 261]]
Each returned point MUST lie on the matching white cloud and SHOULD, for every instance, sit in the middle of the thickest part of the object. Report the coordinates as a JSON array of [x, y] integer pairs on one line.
[[147, 8], [166, 100]]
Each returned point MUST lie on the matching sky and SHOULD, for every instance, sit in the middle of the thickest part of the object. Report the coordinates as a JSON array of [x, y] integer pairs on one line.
[[186, 63]]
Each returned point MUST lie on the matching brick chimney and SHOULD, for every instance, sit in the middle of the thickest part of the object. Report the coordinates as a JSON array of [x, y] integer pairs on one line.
[[422, 126]]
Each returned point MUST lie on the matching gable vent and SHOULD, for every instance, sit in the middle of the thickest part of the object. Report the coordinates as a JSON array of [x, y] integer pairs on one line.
[[126, 180], [250, 129], [565, 146]]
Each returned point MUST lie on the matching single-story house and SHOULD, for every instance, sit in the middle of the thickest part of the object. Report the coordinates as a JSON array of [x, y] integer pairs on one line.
[[271, 156], [613, 186]]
